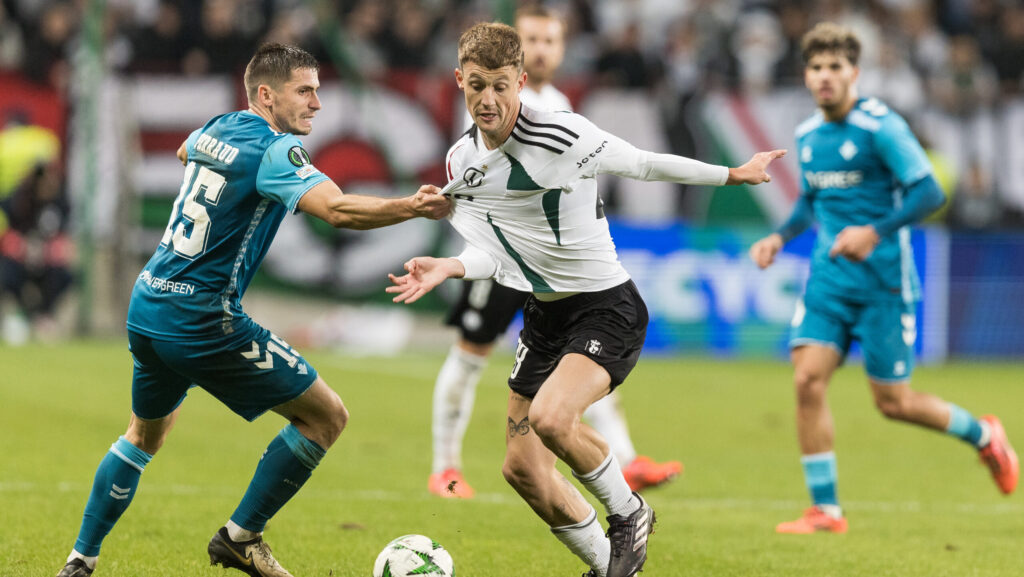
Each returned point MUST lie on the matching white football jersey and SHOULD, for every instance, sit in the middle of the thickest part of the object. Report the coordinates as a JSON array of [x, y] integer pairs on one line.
[[532, 205]]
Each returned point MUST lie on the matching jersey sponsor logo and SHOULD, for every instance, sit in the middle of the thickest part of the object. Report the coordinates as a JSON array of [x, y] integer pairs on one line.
[[834, 178], [167, 286], [473, 177], [219, 151], [586, 159], [594, 347], [306, 171], [848, 150], [298, 156]]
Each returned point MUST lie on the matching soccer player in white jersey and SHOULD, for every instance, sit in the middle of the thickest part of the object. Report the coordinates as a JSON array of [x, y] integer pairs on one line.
[[244, 172], [485, 310], [525, 201], [865, 180]]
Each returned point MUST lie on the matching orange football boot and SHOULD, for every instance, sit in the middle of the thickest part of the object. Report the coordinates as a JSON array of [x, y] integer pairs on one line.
[[813, 520], [1000, 456], [450, 484], [644, 472]]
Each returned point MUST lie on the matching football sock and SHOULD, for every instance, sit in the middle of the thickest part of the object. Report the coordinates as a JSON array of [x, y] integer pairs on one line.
[[607, 419], [454, 392], [113, 488], [821, 475], [963, 425], [285, 466], [587, 541], [90, 562], [609, 486], [239, 534]]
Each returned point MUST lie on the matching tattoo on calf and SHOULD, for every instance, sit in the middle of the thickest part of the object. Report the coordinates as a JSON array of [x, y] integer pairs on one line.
[[521, 428]]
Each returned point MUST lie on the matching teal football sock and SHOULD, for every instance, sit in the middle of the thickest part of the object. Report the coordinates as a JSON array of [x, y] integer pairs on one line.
[[286, 465], [820, 474], [963, 425], [113, 488]]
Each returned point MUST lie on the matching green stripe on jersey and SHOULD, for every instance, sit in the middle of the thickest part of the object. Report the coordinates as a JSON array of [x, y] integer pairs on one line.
[[550, 203], [538, 283], [518, 179]]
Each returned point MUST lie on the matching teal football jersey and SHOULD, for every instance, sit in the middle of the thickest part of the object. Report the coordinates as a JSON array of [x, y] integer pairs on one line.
[[240, 181], [854, 172]]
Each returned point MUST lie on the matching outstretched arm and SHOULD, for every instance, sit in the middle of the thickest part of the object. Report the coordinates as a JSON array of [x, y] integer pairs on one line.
[[621, 158], [326, 202]]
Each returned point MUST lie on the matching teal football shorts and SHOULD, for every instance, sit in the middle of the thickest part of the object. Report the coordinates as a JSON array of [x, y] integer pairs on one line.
[[886, 330], [251, 371]]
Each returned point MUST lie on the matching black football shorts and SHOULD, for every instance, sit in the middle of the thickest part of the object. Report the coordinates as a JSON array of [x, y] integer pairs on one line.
[[608, 326]]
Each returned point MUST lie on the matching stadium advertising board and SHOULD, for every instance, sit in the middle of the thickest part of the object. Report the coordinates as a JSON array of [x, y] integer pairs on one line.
[[705, 296]]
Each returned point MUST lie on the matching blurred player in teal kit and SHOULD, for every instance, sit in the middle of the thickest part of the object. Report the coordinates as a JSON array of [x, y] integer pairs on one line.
[[244, 171], [865, 179]]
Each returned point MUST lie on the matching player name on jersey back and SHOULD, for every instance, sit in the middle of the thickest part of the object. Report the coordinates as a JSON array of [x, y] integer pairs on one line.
[[219, 151]]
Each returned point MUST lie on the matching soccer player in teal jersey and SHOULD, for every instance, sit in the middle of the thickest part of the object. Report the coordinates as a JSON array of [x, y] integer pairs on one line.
[[865, 179], [244, 171]]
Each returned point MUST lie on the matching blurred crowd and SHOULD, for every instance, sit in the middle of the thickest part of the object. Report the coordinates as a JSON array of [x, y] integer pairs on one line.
[[960, 54], [961, 60]]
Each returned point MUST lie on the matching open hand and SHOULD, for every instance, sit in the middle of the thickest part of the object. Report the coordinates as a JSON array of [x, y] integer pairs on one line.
[[423, 273], [755, 171]]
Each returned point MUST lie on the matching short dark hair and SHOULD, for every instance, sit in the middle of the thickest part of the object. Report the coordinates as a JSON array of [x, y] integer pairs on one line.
[[830, 37], [273, 64], [491, 45]]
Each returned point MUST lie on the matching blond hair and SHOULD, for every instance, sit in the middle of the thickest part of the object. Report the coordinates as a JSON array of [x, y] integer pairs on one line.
[[832, 38], [491, 45]]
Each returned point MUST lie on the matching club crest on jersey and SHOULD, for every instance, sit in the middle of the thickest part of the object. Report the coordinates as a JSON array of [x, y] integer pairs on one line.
[[594, 347], [473, 177], [848, 150], [298, 156]]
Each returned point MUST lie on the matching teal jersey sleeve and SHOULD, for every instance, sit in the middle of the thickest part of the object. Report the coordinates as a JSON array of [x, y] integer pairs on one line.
[[190, 142], [286, 173], [900, 151]]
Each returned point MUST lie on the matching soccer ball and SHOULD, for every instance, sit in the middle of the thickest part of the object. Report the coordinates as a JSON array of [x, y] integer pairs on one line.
[[414, 555]]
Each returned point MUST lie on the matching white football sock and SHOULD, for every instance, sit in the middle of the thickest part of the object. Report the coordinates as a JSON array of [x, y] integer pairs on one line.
[[609, 486], [607, 418], [834, 511], [454, 392], [238, 534], [986, 434], [90, 562], [587, 541]]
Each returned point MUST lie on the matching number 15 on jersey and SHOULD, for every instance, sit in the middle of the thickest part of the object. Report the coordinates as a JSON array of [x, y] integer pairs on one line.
[[200, 185]]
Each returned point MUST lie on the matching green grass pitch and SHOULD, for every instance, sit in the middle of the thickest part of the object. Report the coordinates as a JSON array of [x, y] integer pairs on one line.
[[919, 503]]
